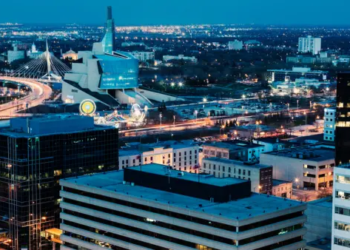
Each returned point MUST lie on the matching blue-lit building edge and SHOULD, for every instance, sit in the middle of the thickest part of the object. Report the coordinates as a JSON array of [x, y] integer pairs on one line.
[[118, 73]]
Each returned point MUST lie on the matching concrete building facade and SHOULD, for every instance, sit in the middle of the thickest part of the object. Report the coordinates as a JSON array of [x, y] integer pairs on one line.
[[234, 150], [309, 44], [127, 210], [259, 175], [341, 208], [306, 167], [182, 156]]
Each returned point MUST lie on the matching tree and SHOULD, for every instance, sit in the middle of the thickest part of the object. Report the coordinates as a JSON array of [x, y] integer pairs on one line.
[[324, 193]]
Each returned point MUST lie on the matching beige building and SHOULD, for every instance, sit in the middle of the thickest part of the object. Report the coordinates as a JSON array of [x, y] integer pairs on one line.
[[182, 156], [282, 189], [306, 167], [259, 175], [71, 55]]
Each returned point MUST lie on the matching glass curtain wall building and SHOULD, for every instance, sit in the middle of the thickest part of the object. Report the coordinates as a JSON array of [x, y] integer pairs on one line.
[[342, 141], [109, 38], [34, 155]]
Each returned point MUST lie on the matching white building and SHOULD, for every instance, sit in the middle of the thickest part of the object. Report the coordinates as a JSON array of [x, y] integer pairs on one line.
[[282, 189], [15, 54], [130, 44], [235, 45], [168, 58], [33, 52], [119, 211], [259, 175], [306, 167], [341, 208], [329, 124], [270, 144], [144, 56], [309, 44], [182, 156]]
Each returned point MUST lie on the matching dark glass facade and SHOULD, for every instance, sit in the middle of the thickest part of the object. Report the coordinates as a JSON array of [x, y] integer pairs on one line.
[[30, 169], [342, 138]]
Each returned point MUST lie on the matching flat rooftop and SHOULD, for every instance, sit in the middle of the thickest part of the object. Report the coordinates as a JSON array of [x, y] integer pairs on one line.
[[276, 182], [239, 163], [297, 70], [324, 244], [325, 202], [232, 145], [238, 210], [138, 148], [254, 127], [164, 170], [48, 125], [274, 140], [306, 153]]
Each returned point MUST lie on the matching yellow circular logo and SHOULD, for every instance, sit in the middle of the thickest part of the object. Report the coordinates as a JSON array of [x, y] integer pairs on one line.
[[87, 107]]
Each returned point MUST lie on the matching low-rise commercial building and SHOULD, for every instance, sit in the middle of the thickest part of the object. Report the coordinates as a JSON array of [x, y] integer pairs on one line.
[[282, 189], [181, 155], [144, 56], [270, 144], [152, 207], [284, 75], [259, 175], [234, 150], [168, 58], [306, 167]]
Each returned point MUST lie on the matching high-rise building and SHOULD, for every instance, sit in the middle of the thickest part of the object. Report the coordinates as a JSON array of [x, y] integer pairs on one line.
[[309, 44], [34, 154], [154, 207], [341, 208], [341, 189], [109, 38], [342, 141]]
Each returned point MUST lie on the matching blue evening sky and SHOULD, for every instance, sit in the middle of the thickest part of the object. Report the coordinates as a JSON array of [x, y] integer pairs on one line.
[[143, 12]]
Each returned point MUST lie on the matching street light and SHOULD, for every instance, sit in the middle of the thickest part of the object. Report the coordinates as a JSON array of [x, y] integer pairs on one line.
[[172, 84], [205, 99], [297, 182], [196, 114], [160, 119], [307, 128], [174, 119], [180, 84]]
